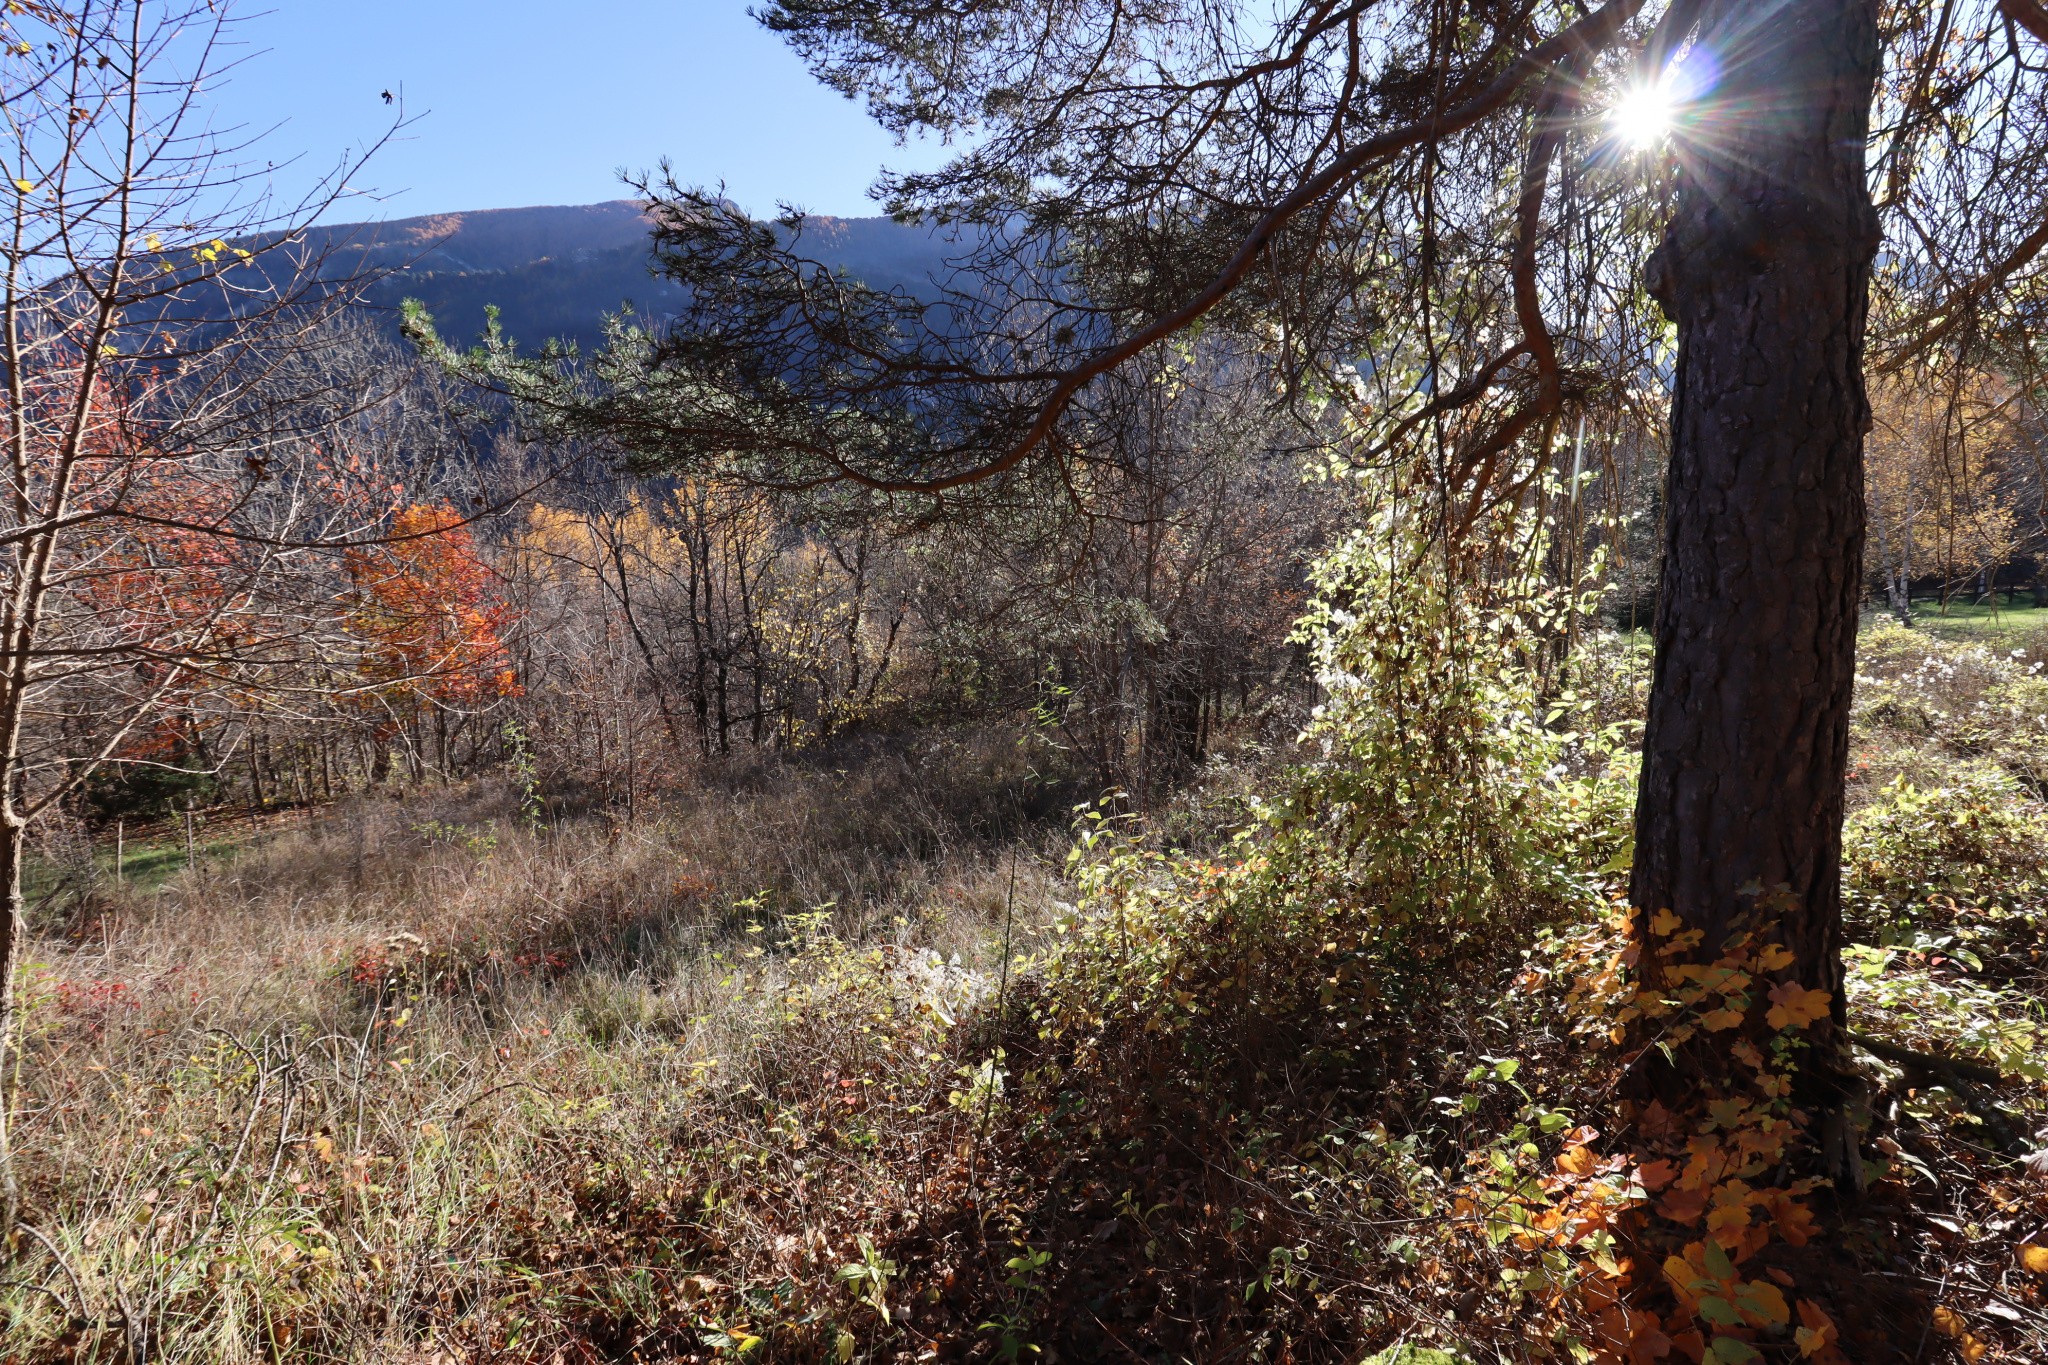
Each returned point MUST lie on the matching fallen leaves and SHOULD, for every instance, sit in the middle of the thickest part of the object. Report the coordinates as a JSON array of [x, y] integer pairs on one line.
[[1816, 1332], [1951, 1324]]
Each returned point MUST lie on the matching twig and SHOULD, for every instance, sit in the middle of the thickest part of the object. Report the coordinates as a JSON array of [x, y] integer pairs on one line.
[[63, 1264], [1927, 1061], [475, 1100], [32, 1287], [1963, 1078], [129, 1330], [1002, 994]]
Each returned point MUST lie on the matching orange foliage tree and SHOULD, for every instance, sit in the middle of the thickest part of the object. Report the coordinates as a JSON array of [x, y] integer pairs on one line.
[[430, 624]]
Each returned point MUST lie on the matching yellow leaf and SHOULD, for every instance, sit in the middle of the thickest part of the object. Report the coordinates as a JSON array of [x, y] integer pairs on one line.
[[1794, 1006], [1763, 1303], [1818, 1329], [25, 186], [1716, 1020], [1775, 958], [1949, 1322], [1683, 1278], [1726, 1216], [1663, 924], [2034, 1258]]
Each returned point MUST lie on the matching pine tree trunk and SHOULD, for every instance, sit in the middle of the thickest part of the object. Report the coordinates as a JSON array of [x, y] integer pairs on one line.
[[1765, 269]]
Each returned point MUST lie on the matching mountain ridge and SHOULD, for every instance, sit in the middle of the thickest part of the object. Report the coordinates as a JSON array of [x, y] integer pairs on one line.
[[554, 270]]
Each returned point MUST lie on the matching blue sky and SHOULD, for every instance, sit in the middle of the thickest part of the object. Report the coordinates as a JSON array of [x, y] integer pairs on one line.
[[524, 102]]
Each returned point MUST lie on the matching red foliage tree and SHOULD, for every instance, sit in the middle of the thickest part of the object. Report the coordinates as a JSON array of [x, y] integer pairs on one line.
[[424, 607]]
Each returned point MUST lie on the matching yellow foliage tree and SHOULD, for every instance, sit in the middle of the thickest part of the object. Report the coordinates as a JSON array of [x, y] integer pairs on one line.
[[1935, 476]]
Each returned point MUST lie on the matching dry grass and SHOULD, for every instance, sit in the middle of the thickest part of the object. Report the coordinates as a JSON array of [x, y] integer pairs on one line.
[[412, 1079]]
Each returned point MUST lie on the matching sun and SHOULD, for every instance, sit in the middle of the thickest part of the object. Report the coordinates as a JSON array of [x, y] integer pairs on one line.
[[1644, 114]]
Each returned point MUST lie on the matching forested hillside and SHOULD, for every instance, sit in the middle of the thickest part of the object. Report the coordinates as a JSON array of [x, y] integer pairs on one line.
[[1367, 688], [555, 272]]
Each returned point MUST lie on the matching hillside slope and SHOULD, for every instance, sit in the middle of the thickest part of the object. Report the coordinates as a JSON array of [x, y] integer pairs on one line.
[[553, 271]]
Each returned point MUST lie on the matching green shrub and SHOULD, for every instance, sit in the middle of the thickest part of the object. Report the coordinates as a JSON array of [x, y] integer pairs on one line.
[[1959, 869], [1448, 808], [144, 791], [1413, 1355]]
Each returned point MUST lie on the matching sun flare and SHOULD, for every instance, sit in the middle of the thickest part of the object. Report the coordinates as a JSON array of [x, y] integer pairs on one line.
[[1644, 114]]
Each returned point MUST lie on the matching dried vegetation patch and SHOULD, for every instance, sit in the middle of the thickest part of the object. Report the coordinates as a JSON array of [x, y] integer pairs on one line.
[[818, 1070]]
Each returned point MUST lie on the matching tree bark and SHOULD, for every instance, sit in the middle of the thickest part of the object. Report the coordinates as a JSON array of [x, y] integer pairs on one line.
[[13, 929], [1765, 268]]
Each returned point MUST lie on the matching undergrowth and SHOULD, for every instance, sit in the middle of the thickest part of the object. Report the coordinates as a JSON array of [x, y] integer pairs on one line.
[[822, 1069]]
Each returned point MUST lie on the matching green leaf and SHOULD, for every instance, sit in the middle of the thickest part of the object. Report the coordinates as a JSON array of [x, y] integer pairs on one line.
[[1731, 1351], [1405, 1354]]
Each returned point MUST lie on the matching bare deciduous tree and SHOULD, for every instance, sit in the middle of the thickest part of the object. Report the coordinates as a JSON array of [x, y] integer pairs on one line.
[[162, 503]]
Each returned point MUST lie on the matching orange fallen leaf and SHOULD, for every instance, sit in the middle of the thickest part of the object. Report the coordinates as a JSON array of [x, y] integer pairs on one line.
[[1727, 1216], [1577, 1161], [1648, 1344], [1817, 1331], [1794, 1221], [1683, 1206]]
